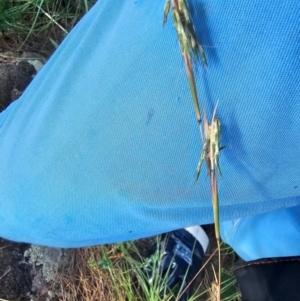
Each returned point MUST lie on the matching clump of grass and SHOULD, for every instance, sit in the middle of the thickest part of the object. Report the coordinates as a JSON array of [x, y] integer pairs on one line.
[[116, 272], [102, 273], [228, 289], [38, 25]]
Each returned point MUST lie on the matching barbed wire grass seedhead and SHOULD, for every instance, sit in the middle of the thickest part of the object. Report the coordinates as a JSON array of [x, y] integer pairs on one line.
[[190, 47], [185, 29]]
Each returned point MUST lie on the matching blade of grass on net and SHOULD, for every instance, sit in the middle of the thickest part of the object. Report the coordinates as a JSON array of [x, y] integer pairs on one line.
[[191, 49]]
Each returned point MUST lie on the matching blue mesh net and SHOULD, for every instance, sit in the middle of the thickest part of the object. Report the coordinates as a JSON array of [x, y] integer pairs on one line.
[[103, 145]]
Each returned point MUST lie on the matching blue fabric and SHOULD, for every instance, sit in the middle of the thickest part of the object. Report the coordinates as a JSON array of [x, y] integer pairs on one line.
[[103, 144], [272, 234]]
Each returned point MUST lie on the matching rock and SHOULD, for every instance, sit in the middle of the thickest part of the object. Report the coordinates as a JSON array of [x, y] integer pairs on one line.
[[47, 263]]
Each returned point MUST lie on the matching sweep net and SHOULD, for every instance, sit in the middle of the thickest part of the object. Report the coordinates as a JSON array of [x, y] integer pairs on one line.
[[103, 145]]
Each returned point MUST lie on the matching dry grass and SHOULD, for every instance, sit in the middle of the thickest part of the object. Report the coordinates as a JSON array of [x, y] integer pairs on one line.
[[85, 282], [113, 273], [104, 273]]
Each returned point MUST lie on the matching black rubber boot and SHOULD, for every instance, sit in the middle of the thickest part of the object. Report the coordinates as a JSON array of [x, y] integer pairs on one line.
[[269, 279]]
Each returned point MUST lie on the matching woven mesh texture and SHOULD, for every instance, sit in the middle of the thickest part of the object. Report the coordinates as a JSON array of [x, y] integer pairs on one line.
[[103, 145]]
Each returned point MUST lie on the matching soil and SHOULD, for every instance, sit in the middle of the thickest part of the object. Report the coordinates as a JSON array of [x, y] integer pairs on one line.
[[15, 275], [14, 78]]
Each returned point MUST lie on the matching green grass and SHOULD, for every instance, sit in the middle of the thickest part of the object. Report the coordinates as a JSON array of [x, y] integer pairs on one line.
[[38, 25], [117, 272]]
